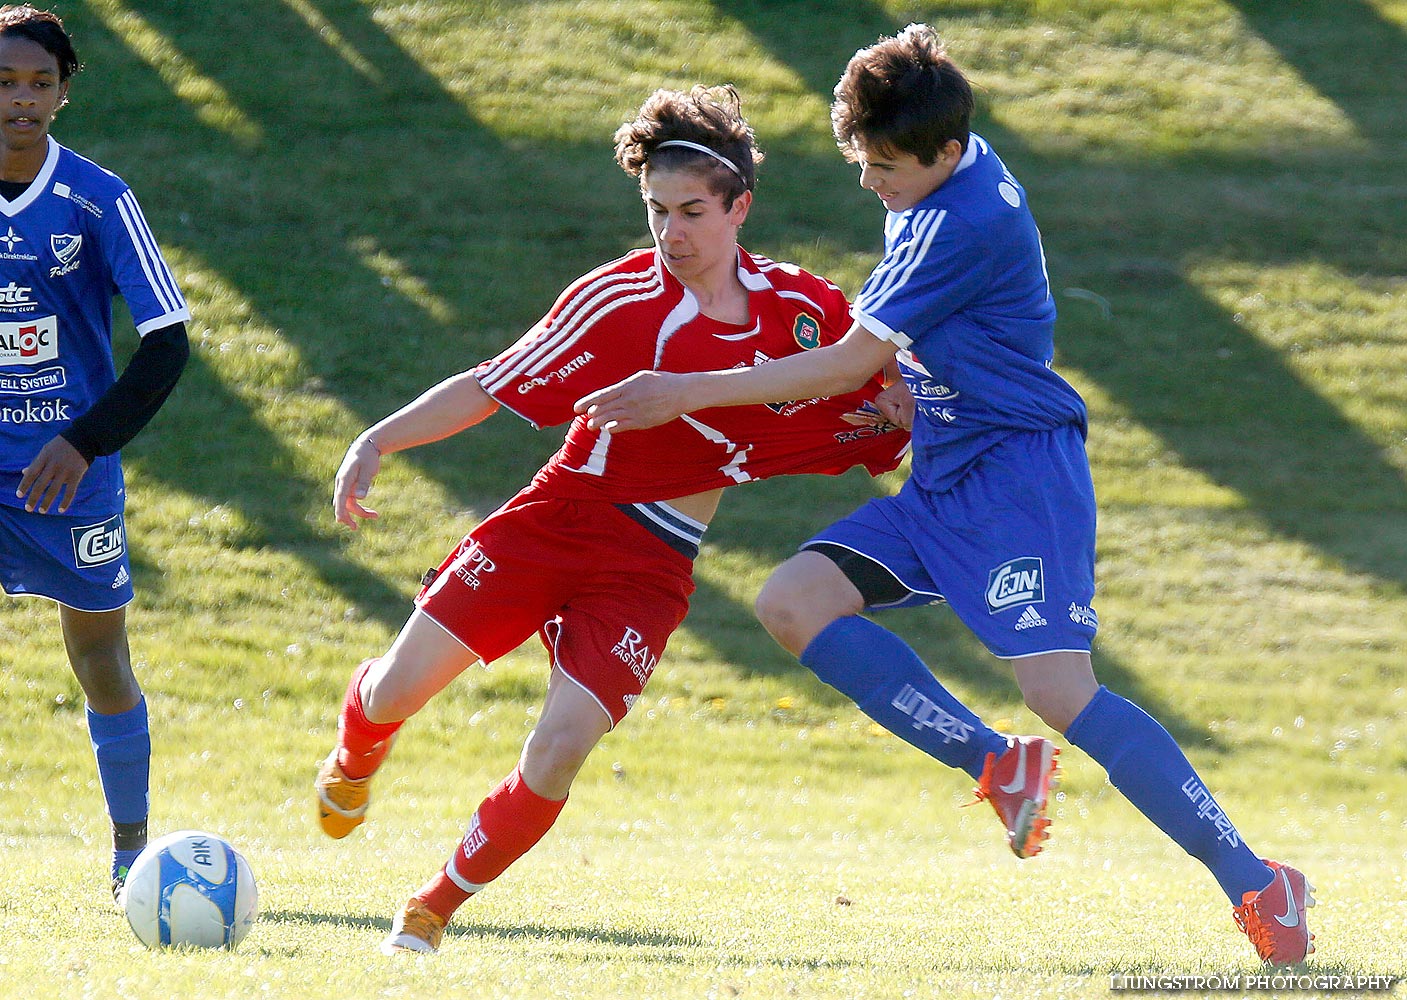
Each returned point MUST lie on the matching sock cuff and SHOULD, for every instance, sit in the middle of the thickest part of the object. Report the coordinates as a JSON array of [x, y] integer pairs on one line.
[[1095, 730], [109, 727], [514, 808], [352, 704], [837, 653]]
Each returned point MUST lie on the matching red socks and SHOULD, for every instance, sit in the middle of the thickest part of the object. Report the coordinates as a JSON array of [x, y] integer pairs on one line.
[[361, 745], [507, 824]]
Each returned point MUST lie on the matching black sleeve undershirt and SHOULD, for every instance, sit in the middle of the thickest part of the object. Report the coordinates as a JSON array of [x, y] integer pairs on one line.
[[134, 398]]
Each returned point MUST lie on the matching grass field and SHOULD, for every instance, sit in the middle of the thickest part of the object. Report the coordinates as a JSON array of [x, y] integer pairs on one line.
[[362, 197]]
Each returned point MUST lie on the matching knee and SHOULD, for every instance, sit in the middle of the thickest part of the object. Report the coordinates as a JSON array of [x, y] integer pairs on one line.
[[1056, 706], [384, 702], [776, 608], [552, 757], [105, 675], [794, 608]]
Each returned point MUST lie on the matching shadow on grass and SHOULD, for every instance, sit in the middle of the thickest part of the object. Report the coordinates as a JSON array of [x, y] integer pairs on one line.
[[596, 935], [363, 154]]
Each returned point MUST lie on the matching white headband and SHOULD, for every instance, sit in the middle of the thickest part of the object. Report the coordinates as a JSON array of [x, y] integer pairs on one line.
[[704, 149]]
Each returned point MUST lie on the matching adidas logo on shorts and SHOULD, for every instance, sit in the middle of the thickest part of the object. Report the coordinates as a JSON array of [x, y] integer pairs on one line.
[[122, 577], [1030, 618]]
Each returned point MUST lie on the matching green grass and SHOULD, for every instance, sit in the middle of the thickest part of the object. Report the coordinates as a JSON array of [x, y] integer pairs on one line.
[[361, 197]]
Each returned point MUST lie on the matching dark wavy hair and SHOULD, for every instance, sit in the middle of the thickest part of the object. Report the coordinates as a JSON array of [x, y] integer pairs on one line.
[[904, 95], [709, 116], [44, 29]]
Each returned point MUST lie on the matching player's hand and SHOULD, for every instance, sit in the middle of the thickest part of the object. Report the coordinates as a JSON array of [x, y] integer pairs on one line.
[[646, 399], [354, 477], [53, 473], [896, 404]]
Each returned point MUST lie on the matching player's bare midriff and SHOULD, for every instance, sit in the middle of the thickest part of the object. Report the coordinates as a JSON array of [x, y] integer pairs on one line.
[[700, 506]]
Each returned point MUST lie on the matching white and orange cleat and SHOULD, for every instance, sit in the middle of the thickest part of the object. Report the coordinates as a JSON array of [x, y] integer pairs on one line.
[[342, 801], [416, 928], [1274, 917], [1017, 784]]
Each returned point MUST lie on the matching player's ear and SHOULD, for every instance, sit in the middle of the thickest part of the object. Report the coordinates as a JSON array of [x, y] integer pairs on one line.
[[738, 213]]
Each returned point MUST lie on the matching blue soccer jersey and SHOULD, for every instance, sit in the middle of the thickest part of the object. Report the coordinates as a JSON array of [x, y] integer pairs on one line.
[[73, 239], [962, 289]]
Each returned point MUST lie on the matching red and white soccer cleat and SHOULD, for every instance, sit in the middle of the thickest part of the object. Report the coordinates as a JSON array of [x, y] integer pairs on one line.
[[1017, 784], [1274, 917]]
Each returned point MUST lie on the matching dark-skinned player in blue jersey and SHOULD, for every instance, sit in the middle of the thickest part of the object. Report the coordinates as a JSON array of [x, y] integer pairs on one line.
[[72, 235]]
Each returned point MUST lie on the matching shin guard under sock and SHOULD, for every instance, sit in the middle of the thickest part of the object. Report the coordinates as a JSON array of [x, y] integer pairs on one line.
[[1148, 767], [361, 744], [890, 684], [510, 820]]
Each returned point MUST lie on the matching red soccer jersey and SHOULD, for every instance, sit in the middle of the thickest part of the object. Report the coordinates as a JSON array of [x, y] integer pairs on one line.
[[632, 315]]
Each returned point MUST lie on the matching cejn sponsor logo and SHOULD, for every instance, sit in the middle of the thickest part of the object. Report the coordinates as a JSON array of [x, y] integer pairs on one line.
[[1016, 581], [96, 544], [29, 343], [576, 364], [634, 653]]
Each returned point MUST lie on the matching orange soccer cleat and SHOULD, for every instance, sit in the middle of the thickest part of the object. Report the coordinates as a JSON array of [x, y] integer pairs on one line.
[[416, 928], [1017, 784], [1274, 917], [342, 801]]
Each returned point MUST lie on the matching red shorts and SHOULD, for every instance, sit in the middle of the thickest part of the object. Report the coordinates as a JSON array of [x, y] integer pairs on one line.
[[602, 591]]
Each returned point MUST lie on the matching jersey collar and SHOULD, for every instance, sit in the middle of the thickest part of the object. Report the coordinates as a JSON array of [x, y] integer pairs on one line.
[[38, 186]]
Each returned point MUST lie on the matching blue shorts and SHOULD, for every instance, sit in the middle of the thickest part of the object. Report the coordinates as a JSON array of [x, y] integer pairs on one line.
[[80, 562], [1010, 547]]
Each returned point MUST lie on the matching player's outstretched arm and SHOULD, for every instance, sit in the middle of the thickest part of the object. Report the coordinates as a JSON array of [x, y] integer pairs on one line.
[[648, 399], [457, 403]]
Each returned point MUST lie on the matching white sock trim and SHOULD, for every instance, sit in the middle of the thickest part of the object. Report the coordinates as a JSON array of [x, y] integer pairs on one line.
[[460, 880]]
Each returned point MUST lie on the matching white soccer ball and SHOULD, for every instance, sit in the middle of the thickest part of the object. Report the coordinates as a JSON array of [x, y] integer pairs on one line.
[[190, 888]]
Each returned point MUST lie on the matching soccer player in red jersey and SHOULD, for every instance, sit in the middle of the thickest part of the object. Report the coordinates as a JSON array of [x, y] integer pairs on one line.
[[595, 555]]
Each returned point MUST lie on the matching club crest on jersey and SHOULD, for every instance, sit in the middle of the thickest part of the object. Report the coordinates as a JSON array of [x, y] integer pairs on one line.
[[65, 247], [807, 331], [1014, 582], [96, 544]]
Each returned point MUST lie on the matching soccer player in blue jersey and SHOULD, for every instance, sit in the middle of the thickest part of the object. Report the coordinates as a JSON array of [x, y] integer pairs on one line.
[[72, 234], [998, 516]]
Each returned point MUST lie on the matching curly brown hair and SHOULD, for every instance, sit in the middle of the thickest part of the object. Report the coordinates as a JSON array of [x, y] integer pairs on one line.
[[708, 116], [904, 95], [44, 29]]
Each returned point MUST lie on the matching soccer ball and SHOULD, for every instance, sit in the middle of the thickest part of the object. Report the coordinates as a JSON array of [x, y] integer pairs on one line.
[[190, 888]]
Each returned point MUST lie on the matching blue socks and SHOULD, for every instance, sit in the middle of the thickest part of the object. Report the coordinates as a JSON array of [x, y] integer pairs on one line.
[[880, 673], [1146, 765], [122, 745]]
